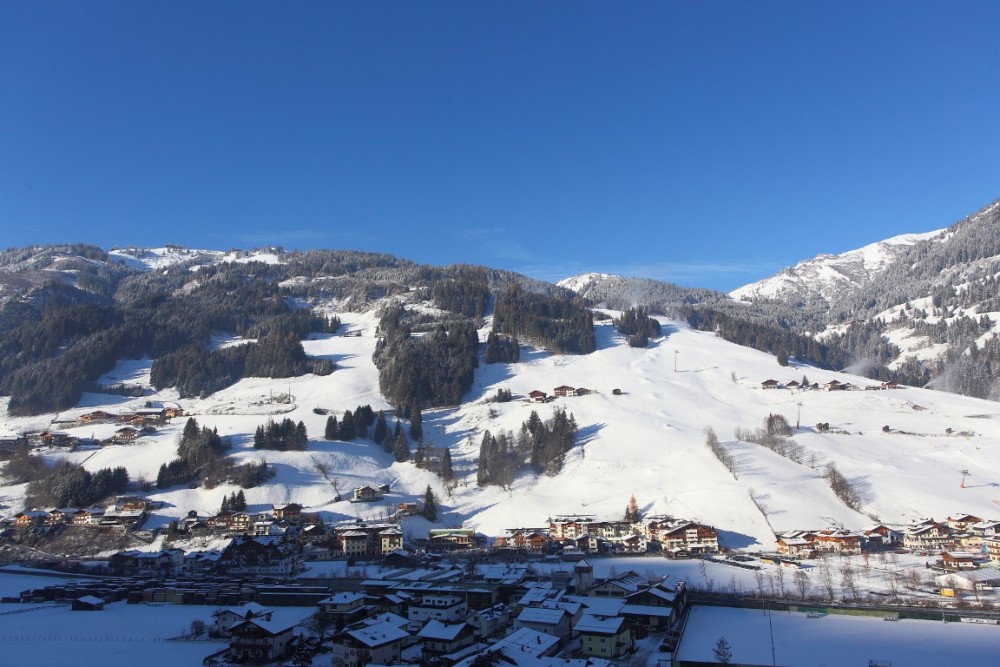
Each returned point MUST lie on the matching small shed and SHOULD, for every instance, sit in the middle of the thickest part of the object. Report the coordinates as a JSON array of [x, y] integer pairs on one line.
[[88, 603]]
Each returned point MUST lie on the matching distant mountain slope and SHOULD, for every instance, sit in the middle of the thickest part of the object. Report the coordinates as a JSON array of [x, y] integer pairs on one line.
[[827, 277]]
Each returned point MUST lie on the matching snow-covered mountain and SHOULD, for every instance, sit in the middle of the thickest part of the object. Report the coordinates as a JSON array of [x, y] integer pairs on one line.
[[647, 440], [829, 276], [902, 450]]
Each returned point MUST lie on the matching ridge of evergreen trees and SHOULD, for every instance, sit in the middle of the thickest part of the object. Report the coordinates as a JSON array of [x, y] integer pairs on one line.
[[561, 324], [285, 435], [466, 292], [432, 370], [502, 349], [636, 324], [65, 484], [542, 444]]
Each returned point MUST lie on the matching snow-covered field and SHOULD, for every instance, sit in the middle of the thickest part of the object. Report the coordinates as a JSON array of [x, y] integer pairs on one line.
[[648, 441], [833, 639]]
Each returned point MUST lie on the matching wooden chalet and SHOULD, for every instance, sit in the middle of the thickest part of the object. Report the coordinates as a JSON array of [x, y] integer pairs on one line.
[[563, 391], [260, 640], [537, 396], [363, 644], [288, 512], [366, 494], [770, 384], [125, 434], [582, 391]]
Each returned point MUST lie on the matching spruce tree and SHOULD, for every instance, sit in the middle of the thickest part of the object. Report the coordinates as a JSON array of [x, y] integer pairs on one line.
[[348, 430], [401, 449], [416, 423], [330, 432], [430, 505], [446, 471], [381, 429]]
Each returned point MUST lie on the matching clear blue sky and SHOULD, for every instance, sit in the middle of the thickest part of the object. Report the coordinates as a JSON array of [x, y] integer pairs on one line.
[[703, 143]]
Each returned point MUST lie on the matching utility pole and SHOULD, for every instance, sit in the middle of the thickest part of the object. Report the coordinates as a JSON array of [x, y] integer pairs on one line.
[[965, 473], [675, 360]]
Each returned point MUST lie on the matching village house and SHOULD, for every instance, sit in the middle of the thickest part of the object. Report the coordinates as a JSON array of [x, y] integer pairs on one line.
[[842, 542], [555, 622], [770, 384], [226, 617], [489, 621], [617, 587], [881, 537], [537, 396], [535, 540], [927, 535], [692, 537], [439, 638], [260, 640], [962, 522], [360, 644], [125, 435], [524, 646], [91, 516], [448, 608], [288, 512], [366, 494], [992, 547], [346, 607], [606, 637], [795, 544], [563, 391], [250, 555], [450, 539], [96, 417], [960, 560], [582, 391]]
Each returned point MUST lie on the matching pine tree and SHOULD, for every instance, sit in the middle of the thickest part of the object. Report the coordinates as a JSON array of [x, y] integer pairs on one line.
[[301, 437], [348, 430], [330, 432], [401, 449], [416, 423], [446, 471], [484, 474], [430, 505], [239, 503], [381, 429], [722, 651]]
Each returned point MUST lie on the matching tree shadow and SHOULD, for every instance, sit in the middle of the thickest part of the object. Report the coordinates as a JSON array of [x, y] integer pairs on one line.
[[733, 540]]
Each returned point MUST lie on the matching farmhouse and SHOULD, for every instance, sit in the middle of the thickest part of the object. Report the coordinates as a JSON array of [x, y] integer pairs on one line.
[[537, 396], [563, 391], [366, 494]]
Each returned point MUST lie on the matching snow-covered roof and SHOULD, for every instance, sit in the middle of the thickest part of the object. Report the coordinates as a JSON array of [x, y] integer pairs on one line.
[[599, 625], [378, 634], [541, 615], [436, 629]]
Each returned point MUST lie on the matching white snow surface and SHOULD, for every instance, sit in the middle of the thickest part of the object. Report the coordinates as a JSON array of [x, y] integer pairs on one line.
[[833, 639], [648, 441]]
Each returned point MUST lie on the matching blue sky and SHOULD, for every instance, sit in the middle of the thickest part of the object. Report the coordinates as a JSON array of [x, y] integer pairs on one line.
[[703, 143]]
